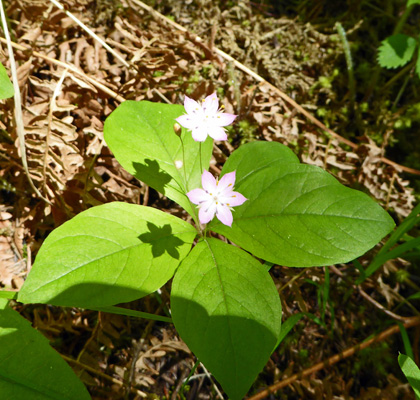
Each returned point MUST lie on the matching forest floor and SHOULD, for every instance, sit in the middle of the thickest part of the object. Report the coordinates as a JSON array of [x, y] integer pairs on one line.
[[295, 91]]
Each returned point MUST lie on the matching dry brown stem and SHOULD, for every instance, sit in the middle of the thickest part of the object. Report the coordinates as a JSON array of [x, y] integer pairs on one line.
[[409, 322]]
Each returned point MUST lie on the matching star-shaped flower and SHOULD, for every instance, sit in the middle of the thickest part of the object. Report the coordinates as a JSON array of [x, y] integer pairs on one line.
[[216, 198], [205, 119]]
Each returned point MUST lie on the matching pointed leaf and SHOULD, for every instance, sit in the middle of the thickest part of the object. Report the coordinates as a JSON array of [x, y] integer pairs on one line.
[[411, 372], [109, 254], [300, 216], [226, 308], [6, 87], [396, 51], [141, 136], [255, 156], [29, 367]]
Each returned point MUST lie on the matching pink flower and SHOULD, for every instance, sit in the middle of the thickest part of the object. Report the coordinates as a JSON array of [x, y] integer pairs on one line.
[[216, 197], [205, 119]]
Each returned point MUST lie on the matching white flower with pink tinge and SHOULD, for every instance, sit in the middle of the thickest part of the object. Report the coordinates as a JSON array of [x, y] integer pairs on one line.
[[205, 119], [216, 198]]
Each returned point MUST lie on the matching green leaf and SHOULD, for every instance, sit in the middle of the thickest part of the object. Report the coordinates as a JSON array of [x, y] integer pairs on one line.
[[226, 308], [109, 254], [256, 156], [380, 259], [300, 216], [141, 136], [288, 325], [412, 2], [411, 372], [6, 87], [7, 294], [418, 64], [396, 50], [29, 367]]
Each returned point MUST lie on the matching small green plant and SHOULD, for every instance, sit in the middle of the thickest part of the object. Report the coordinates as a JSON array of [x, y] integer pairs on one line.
[[400, 49], [224, 303]]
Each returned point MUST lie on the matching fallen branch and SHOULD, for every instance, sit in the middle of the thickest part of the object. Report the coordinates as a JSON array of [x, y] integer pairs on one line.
[[409, 322]]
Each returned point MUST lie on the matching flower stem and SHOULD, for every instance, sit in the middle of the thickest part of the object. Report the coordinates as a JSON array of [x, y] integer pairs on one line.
[[183, 165], [201, 164]]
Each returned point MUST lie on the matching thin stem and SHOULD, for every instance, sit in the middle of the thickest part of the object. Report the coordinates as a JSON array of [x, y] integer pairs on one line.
[[400, 93], [201, 164], [183, 164], [195, 216], [187, 379], [349, 61], [402, 20]]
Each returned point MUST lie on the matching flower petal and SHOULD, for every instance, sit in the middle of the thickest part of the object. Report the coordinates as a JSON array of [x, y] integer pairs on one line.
[[236, 199], [208, 182], [211, 104], [206, 212], [191, 106], [223, 119], [224, 215], [226, 183], [199, 133], [197, 196], [217, 133], [187, 121]]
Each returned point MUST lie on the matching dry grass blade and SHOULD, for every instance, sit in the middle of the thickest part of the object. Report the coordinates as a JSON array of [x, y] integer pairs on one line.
[[70, 67], [18, 104], [90, 32]]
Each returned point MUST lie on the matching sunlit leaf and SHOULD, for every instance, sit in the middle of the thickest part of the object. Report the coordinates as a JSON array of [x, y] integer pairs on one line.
[[300, 216], [226, 308], [141, 136], [396, 51], [411, 372], [6, 87], [106, 255]]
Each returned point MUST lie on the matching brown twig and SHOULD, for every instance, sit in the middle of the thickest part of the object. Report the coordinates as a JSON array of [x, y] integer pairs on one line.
[[70, 67], [409, 322], [262, 81], [381, 307]]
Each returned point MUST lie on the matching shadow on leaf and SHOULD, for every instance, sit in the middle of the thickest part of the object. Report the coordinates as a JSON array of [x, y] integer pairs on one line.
[[161, 233], [152, 174]]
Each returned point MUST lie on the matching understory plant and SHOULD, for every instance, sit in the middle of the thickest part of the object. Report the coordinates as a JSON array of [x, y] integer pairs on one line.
[[264, 206], [399, 49]]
